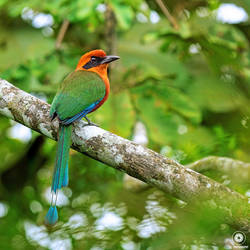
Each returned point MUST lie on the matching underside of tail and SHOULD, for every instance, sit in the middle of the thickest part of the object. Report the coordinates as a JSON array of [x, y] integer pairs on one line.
[[60, 176]]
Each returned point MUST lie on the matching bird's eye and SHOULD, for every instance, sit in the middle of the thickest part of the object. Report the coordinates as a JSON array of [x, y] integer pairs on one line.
[[93, 59]]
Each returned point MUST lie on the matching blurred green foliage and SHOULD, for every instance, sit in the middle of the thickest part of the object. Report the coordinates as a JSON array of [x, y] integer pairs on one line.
[[190, 87]]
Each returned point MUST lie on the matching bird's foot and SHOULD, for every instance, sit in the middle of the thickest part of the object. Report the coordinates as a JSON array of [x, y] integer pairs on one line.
[[90, 123]]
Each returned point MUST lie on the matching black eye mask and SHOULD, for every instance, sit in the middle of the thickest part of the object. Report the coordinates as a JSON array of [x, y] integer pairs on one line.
[[94, 61]]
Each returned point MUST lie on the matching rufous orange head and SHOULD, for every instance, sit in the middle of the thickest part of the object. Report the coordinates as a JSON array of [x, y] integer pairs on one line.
[[96, 61]]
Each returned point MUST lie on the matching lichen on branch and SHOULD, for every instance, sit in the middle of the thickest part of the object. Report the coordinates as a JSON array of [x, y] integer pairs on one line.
[[124, 155]]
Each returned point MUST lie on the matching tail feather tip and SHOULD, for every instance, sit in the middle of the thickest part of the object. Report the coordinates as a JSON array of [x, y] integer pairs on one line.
[[52, 216]]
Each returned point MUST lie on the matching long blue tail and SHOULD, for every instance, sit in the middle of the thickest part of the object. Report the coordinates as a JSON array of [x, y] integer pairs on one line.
[[60, 176]]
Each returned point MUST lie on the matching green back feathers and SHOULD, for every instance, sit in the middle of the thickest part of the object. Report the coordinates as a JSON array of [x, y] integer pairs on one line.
[[78, 91]]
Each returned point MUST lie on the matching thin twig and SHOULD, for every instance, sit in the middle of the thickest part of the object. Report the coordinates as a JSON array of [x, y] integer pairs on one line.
[[110, 40], [233, 168], [110, 33], [61, 34], [167, 14]]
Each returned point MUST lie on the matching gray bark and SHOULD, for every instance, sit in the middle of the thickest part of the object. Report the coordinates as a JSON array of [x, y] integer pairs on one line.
[[233, 168], [127, 156]]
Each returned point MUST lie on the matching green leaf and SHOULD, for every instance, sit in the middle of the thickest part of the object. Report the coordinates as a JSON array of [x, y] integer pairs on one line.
[[124, 14], [117, 114], [21, 45], [216, 95], [154, 111], [180, 103], [171, 99]]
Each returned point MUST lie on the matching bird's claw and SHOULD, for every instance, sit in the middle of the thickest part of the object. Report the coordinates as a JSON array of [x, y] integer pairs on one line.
[[90, 123]]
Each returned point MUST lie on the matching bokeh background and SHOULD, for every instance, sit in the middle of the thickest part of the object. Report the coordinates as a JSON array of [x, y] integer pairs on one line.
[[184, 75]]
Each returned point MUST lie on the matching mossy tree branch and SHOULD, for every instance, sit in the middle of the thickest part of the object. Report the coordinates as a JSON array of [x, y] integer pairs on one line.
[[124, 155]]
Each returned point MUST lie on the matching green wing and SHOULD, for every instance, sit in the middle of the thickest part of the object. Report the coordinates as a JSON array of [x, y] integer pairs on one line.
[[78, 91]]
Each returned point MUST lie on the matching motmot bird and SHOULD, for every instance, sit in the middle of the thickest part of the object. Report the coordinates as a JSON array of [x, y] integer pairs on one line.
[[82, 92]]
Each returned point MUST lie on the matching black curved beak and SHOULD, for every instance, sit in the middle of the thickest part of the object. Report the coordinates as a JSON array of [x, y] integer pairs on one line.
[[109, 59]]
